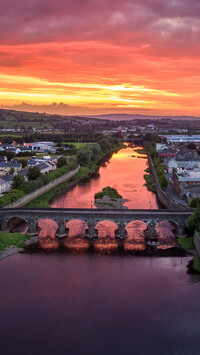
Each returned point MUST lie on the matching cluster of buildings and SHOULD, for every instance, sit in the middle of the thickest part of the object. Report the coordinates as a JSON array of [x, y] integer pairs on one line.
[[46, 164], [37, 147], [182, 167]]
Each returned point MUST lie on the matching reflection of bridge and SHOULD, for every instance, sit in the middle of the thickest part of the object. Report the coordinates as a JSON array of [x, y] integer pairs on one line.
[[11, 217]]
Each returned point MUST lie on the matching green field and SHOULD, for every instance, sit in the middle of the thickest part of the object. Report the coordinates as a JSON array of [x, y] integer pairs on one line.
[[79, 145]]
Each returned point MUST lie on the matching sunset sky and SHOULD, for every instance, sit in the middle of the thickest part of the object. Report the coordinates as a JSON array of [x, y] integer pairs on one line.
[[98, 56]]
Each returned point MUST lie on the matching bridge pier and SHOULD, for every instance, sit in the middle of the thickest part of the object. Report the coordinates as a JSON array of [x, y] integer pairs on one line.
[[121, 231], [32, 226], [62, 231], [91, 232], [151, 227]]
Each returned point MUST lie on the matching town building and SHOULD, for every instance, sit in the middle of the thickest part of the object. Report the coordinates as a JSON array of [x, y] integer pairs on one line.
[[182, 138], [185, 179], [6, 167]]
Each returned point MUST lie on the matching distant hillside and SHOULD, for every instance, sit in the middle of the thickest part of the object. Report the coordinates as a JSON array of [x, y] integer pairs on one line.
[[125, 117]]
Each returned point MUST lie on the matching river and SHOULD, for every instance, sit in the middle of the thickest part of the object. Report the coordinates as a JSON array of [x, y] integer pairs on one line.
[[89, 305]]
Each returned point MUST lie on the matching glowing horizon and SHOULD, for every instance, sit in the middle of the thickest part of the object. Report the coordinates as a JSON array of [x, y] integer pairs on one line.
[[95, 57]]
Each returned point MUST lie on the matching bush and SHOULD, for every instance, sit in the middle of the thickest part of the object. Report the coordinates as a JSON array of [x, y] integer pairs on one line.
[[195, 202], [193, 221], [186, 243], [196, 263], [108, 191], [149, 183]]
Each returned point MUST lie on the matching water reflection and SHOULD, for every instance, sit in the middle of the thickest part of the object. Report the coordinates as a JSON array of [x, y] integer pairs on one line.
[[105, 241]]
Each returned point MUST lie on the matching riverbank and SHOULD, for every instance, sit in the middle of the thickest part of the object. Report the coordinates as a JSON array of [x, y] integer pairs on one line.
[[14, 243]]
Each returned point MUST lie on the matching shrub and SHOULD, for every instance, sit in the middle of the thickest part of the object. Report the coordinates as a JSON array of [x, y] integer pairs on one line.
[[186, 243]]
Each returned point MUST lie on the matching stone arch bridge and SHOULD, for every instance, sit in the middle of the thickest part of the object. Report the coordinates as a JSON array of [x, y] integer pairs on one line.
[[9, 216]]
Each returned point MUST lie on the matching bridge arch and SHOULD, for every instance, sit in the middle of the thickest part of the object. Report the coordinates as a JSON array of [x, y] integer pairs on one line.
[[167, 233], [135, 229], [76, 227], [16, 224], [106, 228], [46, 228], [168, 224]]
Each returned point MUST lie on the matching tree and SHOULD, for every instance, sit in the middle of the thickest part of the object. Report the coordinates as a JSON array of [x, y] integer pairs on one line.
[[23, 162], [61, 162], [194, 221], [11, 171], [105, 145], [163, 181], [18, 182], [84, 156], [96, 151], [34, 173], [195, 202]]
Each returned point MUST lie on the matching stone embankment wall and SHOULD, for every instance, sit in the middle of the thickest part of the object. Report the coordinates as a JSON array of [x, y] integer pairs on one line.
[[197, 242], [166, 200], [26, 199]]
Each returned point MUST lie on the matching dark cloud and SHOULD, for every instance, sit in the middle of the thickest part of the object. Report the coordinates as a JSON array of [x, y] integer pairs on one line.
[[129, 22]]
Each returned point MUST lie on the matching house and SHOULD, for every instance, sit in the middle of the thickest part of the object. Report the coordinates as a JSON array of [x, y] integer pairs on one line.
[[184, 179], [3, 159], [168, 152], [160, 147], [52, 165], [33, 162], [183, 163], [5, 167], [3, 186], [44, 168], [24, 173]]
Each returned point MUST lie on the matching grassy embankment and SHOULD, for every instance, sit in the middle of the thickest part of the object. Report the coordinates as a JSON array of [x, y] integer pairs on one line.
[[44, 200], [13, 239]]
